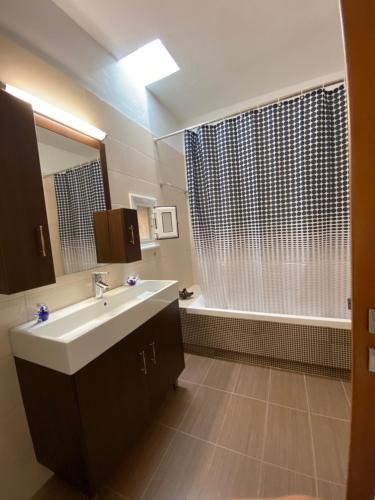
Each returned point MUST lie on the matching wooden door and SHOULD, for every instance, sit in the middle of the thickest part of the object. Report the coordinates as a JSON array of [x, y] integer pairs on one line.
[[113, 398], [359, 37], [165, 353], [25, 251]]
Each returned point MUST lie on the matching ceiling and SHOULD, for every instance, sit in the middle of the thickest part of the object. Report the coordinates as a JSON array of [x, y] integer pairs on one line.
[[228, 51]]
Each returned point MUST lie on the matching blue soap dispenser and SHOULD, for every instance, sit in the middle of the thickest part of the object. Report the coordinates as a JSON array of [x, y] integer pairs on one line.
[[42, 313]]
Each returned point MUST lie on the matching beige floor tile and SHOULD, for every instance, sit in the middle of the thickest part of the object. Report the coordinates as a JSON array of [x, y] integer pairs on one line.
[[230, 475], [329, 491], [348, 390], [205, 416], [288, 389], [276, 482], [288, 440], [181, 471], [327, 397], [176, 404], [243, 428], [222, 375], [253, 381], [196, 368], [331, 441], [57, 489], [134, 474]]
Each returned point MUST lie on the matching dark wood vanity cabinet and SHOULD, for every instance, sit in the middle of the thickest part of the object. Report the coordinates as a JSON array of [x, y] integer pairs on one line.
[[25, 249], [83, 424], [117, 236]]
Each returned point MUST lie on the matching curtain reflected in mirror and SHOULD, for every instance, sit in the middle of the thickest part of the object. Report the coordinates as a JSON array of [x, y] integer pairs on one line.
[[73, 190], [79, 193]]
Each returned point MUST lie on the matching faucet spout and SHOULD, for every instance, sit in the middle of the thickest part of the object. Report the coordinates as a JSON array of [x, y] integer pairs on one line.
[[98, 284]]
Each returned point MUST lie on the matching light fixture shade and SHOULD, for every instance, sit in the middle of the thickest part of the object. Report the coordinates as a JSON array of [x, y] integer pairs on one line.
[[149, 63], [50, 111]]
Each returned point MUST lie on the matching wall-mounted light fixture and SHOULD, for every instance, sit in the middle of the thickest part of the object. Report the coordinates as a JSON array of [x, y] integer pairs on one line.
[[43, 108]]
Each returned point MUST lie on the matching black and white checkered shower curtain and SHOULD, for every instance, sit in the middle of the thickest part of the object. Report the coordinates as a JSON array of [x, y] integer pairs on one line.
[[269, 204], [79, 193]]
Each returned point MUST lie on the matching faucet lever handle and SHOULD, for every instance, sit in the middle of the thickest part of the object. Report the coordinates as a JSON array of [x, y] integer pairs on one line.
[[98, 275]]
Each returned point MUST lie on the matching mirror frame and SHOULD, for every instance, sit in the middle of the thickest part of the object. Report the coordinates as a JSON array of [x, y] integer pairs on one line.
[[64, 130]]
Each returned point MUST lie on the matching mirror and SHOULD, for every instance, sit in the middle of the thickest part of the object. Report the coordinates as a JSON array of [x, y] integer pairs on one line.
[[74, 188]]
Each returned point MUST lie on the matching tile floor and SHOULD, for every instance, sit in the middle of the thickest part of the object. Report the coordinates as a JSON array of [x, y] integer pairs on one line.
[[238, 431]]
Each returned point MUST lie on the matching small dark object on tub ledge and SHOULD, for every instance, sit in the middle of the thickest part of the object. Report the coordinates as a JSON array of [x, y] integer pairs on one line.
[[185, 294]]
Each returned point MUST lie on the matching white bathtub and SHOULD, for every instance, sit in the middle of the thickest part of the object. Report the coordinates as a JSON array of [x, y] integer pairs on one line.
[[196, 305]]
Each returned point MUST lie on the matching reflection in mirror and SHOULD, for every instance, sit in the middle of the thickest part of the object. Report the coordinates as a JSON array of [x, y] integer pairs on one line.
[[73, 190]]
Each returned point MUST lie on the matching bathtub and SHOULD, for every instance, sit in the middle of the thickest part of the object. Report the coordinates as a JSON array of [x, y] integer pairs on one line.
[[303, 343]]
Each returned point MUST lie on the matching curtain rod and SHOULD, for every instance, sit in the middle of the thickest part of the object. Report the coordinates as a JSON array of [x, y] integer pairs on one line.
[[84, 164], [262, 105]]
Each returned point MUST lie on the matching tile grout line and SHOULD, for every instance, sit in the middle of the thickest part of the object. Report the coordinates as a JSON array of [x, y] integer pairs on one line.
[[311, 438], [264, 432], [228, 404], [257, 459], [264, 401], [172, 441], [346, 394], [215, 444]]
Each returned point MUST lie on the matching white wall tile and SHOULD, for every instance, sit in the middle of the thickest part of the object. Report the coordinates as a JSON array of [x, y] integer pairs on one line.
[[12, 313], [20, 474]]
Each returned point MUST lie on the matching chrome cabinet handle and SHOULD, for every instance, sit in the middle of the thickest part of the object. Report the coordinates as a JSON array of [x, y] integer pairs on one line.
[[152, 345], [131, 228], [144, 367], [42, 242]]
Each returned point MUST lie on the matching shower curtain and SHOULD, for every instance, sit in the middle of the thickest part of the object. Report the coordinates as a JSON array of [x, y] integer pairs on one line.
[[269, 204], [79, 193]]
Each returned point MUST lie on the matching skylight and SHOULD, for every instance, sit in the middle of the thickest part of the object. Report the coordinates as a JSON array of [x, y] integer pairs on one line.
[[149, 63]]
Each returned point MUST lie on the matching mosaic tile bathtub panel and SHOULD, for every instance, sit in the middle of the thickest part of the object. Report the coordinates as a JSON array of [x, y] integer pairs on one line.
[[280, 344]]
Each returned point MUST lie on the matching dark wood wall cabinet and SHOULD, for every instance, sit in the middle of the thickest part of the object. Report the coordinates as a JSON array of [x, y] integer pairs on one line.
[[25, 250], [117, 236], [83, 424]]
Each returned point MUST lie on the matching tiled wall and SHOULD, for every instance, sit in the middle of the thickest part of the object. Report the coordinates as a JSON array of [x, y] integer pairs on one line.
[[135, 165]]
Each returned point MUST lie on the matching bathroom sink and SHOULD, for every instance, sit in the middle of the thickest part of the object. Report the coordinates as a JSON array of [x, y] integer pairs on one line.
[[77, 334]]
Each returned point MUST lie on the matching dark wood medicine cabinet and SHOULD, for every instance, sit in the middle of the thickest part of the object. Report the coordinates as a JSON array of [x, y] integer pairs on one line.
[[25, 252]]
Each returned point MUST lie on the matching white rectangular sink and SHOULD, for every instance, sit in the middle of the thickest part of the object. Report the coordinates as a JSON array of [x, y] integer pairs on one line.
[[75, 335]]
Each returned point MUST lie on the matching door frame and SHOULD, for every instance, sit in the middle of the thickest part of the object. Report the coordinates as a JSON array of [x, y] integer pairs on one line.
[[358, 20]]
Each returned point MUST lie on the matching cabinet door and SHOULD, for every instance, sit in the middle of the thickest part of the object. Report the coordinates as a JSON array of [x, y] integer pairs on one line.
[[25, 253], [117, 236], [113, 398], [165, 353]]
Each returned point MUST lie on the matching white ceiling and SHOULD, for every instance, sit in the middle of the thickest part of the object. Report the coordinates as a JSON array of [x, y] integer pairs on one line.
[[228, 51]]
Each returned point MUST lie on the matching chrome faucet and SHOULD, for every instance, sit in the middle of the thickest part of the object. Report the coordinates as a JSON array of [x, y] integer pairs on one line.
[[98, 284]]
